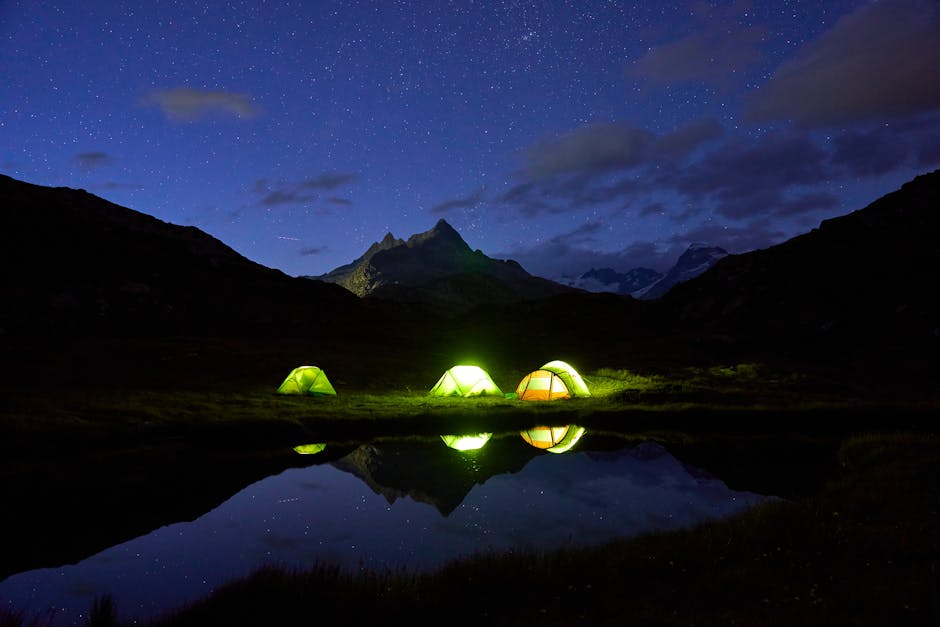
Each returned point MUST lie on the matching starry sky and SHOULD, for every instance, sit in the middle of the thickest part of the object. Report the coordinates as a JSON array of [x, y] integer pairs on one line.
[[563, 134]]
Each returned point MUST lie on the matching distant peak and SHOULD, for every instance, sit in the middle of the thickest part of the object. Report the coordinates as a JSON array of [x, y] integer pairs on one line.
[[443, 225], [442, 231], [389, 241]]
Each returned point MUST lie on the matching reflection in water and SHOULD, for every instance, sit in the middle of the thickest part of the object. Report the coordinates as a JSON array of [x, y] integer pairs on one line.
[[553, 439], [400, 504], [467, 442], [310, 449]]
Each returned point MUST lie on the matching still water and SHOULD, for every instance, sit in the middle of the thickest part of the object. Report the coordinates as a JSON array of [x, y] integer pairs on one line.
[[411, 504]]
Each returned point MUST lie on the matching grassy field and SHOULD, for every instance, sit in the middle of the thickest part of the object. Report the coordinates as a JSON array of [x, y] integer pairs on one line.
[[854, 449]]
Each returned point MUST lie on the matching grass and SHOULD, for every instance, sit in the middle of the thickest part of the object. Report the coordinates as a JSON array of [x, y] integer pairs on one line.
[[142, 410]]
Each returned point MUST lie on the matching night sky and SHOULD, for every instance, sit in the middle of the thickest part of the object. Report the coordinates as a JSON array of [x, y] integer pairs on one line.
[[565, 135]]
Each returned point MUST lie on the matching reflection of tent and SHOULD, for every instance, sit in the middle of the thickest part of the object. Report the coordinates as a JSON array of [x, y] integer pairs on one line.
[[542, 385], [310, 449], [306, 380], [465, 381], [573, 381], [467, 442], [553, 439]]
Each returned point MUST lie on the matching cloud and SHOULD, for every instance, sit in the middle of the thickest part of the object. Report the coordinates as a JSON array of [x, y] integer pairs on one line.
[[685, 140], [571, 254], [330, 180], [869, 153], [313, 250], [187, 104], [652, 209], [594, 147], [718, 49], [746, 177], [467, 202], [702, 168], [600, 163], [92, 160], [928, 154], [734, 238], [876, 62], [585, 233], [303, 191], [807, 203], [114, 185]]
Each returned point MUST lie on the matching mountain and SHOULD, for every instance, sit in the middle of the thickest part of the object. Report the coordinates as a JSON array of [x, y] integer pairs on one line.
[[439, 268], [609, 280], [867, 277], [648, 284], [344, 272], [74, 262], [694, 261]]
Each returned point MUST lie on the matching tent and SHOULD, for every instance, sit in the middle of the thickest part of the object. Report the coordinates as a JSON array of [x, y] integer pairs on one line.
[[542, 385], [465, 381], [573, 381], [307, 380]]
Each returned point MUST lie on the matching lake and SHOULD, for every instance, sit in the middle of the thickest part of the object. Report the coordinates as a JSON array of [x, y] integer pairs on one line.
[[400, 503]]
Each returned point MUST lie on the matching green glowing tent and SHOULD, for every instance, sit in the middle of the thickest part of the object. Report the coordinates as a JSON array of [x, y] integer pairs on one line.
[[307, 380], [465, 381], [573, 381]]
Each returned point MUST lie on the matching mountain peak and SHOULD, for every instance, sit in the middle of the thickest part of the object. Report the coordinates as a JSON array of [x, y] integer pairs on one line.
[[696, 259], [441, 232], [438, 266]]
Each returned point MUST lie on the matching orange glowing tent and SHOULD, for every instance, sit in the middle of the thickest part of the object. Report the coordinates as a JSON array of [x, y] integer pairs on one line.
[[542, 385]]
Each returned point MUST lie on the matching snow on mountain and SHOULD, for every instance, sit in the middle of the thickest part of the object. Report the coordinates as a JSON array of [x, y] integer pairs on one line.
[[694, 261]]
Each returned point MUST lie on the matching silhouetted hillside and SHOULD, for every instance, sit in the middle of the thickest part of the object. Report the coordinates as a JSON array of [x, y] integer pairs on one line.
[[75, 263], [867, 277]]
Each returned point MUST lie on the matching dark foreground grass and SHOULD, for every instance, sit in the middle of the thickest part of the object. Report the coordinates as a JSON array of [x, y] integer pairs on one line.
[[863, 551]]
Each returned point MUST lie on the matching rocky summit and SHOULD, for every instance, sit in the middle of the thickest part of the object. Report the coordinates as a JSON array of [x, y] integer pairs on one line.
[[437, 266]]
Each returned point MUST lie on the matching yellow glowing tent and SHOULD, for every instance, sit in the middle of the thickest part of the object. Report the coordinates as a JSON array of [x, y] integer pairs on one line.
[[465, 381]]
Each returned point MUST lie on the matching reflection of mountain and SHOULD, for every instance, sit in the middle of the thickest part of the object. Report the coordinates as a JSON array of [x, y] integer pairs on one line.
[[430, 472]]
